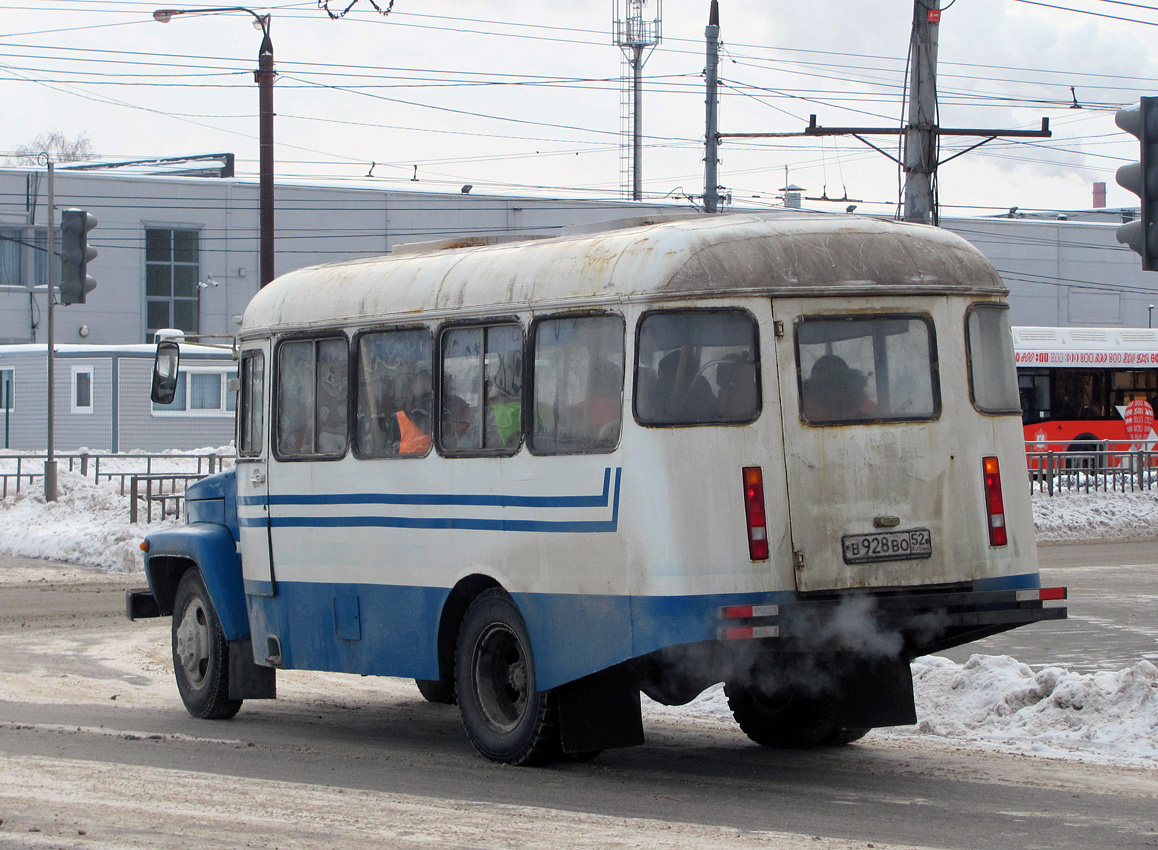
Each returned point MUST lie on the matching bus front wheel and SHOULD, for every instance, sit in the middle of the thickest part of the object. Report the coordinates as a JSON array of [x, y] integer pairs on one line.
[[787, 721], [200, 652], [507, 718]]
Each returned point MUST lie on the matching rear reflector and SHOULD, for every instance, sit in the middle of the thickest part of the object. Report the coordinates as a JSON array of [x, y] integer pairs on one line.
[[994, 506], [741, 612], [747, 632], [754, 513], [1044, 594]]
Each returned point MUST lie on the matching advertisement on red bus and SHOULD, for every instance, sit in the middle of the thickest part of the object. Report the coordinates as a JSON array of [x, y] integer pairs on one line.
[[1087, 389]]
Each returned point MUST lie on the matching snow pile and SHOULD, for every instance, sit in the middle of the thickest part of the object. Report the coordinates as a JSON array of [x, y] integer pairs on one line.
[[1072, 517], [997, 701], [1110, 716], [87, 524]]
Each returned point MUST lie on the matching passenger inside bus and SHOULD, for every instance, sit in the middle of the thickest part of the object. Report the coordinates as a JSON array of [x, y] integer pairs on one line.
[[680, 393], [835, 392], [414, 422], [736, 378]]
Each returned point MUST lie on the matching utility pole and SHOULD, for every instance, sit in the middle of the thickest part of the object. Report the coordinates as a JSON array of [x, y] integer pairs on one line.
[[711, 101], [264, 76], [921, 133], [922, 130], [50, 455]]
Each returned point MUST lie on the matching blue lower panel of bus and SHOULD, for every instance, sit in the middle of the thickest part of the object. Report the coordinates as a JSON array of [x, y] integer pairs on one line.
[[392, 630]]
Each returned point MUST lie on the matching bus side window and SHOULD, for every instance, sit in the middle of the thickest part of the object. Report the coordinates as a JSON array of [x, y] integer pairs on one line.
[[394, 407], [251, 418], [481, 399], [311, 397], [577, 384], [697, 367]]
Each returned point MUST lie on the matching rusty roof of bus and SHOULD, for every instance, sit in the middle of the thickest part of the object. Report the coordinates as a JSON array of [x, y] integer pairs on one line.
[[695, 257]]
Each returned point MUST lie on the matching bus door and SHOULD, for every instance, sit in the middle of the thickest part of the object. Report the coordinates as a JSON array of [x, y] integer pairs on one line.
[[253, 469], [860, 403]]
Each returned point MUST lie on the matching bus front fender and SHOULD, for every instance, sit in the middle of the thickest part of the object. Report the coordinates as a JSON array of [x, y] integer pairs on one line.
[[212, 550]]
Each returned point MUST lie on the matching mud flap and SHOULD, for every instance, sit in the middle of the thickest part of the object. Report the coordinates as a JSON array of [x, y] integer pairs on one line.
[[247, 679], [600, 711], [876, 693]]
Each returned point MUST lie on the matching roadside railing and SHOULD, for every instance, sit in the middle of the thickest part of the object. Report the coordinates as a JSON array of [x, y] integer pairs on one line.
[[1099, 465], [24, 470], [152, 481], [166, 490]]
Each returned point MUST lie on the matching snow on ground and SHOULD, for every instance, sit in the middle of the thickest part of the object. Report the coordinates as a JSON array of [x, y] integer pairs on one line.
[[990, 701]]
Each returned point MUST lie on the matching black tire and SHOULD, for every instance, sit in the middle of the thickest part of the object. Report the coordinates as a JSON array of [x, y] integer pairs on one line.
[[785, 722], [440, 691], [200, 652], [507, 718], [1085, 453]]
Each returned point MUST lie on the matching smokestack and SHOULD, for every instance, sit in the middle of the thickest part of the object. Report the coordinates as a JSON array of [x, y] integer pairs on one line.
[[1099, 196]]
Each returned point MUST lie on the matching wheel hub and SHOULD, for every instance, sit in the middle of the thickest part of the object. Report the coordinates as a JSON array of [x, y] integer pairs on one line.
[[192, 648], [501, 677]]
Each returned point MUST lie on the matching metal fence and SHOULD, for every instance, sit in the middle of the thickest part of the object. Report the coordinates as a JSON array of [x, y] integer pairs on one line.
[[151, 481], [1101, 466]]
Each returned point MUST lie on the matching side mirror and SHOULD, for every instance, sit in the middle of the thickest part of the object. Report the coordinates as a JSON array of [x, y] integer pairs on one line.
[[165, 372]]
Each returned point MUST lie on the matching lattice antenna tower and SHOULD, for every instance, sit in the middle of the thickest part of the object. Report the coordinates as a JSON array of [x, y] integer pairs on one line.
[[636, 33]]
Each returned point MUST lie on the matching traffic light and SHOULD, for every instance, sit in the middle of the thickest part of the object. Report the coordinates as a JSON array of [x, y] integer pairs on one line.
[[75, 256], [1141, 178]]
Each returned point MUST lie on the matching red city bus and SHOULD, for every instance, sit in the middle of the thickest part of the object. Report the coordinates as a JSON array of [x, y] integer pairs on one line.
[[1077, 386]]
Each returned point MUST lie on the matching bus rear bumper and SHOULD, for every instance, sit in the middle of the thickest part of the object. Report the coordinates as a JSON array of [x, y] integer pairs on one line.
[[914, 622]]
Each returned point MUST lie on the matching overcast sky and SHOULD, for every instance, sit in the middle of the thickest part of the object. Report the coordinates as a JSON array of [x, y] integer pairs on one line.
[[517, 97]]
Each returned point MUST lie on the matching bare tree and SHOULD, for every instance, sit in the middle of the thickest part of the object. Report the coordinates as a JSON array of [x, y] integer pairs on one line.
[[61, 148]]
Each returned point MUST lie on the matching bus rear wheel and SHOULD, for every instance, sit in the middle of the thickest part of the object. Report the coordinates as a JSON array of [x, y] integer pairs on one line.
[[507, 718], [787, 721], [200, 652]]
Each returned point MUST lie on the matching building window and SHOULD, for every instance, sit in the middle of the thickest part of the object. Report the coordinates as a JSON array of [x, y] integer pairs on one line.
[[12, 250], [202, 392], [7, 390], [82, 389], [172, 270]]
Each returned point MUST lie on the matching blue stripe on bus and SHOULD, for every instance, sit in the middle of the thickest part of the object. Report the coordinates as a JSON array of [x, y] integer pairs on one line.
[[572, 635], [560, 526], [501, 501]]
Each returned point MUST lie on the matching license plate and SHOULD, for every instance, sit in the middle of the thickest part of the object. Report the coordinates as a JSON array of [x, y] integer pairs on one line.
[[887, 546]]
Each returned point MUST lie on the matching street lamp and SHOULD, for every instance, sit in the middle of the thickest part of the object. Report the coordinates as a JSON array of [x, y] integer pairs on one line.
[[264, 77]]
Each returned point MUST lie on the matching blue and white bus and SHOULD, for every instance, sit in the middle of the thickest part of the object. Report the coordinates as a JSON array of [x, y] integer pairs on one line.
[[541, 477]]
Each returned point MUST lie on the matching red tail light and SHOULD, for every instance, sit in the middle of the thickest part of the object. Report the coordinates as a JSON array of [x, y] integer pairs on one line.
[[994, 507], [754, 513]]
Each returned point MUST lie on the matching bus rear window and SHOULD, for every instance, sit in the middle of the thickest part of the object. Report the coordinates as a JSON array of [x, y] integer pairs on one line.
[[866, 369], [992, 374], [578, 385], [697, 367]]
